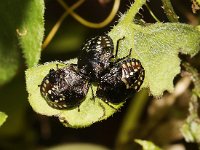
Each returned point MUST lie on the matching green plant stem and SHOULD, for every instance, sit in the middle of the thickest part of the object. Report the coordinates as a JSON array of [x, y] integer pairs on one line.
[[169, 11], [131, 118], [134, 9]]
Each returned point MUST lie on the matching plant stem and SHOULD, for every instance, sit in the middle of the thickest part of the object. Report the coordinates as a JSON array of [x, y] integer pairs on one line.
[[169, 11], [134, 9]]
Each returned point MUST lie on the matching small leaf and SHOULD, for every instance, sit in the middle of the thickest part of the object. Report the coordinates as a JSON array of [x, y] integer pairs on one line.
[[31, 31], [3, 118], [157, 46], [147, 145], [90, 110]]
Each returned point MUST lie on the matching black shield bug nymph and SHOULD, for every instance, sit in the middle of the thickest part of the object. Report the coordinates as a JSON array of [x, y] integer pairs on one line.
[[121, 82], [95, 57], [64, 88]]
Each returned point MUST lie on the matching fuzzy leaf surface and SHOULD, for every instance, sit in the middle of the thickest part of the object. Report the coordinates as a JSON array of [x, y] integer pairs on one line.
[[24, 20], [31, 31], [157, 46]]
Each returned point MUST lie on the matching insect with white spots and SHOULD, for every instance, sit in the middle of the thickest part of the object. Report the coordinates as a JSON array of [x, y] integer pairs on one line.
[[64, 88], [118, 79], [121, 82], [95, 57]]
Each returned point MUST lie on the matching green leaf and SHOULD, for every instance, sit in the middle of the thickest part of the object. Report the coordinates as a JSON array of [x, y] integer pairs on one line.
[[3, 118], [157, 46], [23, 18], [147, 145], [9, 55], [90, 111], [31, 31]]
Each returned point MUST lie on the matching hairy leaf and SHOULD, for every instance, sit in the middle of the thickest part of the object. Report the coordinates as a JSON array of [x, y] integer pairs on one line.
[[157, 46], [22, 18], [31, 31]]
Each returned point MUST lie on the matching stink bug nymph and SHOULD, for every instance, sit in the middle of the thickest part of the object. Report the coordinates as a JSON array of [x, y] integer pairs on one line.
[[95, 57], [121, 82], [64, 88]]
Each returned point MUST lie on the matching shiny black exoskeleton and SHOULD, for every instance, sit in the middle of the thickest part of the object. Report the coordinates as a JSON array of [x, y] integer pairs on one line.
[[121, 82], [95, 57], [64, 88]]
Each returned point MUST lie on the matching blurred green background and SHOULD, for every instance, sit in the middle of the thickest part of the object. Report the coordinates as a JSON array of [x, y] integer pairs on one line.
[[24, 129]]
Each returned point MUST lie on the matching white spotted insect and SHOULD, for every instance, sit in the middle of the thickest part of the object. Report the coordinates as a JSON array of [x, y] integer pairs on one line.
[[64, 88], [121, 82]]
